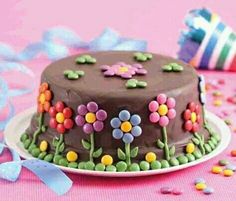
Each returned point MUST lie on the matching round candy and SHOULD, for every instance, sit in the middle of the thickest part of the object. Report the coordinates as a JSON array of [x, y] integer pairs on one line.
[[216, 169], [192, 106], [68, 123], [150, 157], [117, 133], [161, 98], [187, 114], [98, 126], [124, 115], [154, 117], [60, 117], [92, 106], [128, 138], [171, 114], [59, 106], [88, 128], [135, 120], [82, 110], [155, 165], [134, 167], [162, 110], [121, 166], [89, 165], [200, 186], [208, 190], [144, 165], [190, 148], [170, 103], [199, 180], [52, 112], [101, 115], [71, 156], [67, 112], [107, 160], [164, 121], [60, 128], [100, 167], [110, 168], [43, 145], [115, 122], [79, 120], [231, 167], [90, 117], [166, 190], [126, 126], [153, 106], [177, 191], [188, 125], [228, 173], [233, 153], [136, 131], [223, 162]]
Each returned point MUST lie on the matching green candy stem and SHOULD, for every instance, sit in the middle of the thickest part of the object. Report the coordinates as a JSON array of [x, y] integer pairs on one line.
[[201, 143], [39, 129], [92, 147], [204, 115], [58, 144], [127, 153], [165, 141]]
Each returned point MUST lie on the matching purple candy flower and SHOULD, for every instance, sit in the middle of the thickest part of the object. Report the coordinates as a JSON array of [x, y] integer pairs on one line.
[[90, 117], [123, 70]]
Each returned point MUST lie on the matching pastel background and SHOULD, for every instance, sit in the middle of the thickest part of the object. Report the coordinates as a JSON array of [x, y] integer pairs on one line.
[[157, 21]]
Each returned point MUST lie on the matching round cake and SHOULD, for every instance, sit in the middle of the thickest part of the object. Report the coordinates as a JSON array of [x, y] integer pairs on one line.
[[120, 111]]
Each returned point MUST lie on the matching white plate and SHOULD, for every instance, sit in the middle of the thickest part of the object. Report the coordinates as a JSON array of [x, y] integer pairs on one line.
[[21, 121]]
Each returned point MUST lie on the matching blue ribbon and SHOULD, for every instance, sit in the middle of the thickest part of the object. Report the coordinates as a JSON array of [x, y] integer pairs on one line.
[[49, 174]]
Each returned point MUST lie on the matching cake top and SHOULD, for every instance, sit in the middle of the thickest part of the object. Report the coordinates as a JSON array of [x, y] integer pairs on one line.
[[109, 72]]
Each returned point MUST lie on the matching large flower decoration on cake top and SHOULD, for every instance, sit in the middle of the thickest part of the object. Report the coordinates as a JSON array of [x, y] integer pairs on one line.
[[90, 117], [162, 110], [60, 117], [126, 126], [44, 98], [123, 70], [192, 117]]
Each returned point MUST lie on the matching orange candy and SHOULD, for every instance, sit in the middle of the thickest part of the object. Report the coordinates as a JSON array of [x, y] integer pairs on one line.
[[233, 153]]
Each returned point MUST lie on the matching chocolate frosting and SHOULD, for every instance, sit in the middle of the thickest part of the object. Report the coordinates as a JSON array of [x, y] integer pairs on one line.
[[111, 95]]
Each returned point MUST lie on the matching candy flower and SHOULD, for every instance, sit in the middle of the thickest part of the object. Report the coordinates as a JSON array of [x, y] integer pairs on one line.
[[192, 117], [162, 111], [91, 118], [44, 98], [126, 126], [123, 70], [60, 117]]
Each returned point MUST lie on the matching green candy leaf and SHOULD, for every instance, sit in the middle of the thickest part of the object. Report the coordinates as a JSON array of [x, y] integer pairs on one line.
[[195, 141], [72, 76], [177, 68], [80, 73], [197, 136], [134, 152], [80, 60], [54, 142], [43, 128], [67, 72], [91, 60], [86, 57], [160, 144], [172, 151], [86, 144], [148, 55], [97, 153], [137, 54], [141, 84], [167, 68], [61, 147], [121, 155]]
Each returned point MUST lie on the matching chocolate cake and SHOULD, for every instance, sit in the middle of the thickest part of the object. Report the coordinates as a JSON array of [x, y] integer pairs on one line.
[[120, 111]]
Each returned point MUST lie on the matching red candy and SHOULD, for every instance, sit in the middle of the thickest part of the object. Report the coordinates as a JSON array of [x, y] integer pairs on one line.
[[187, 114], [188, 125], [68, 123], [60, 128], [195, 127], [67, 113], [192, 106], [53, 123], [59, 106], [52, 112]]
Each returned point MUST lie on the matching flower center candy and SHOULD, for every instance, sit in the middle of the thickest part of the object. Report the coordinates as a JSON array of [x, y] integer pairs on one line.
[[126, 126], [193, 117], [162, 110], [60, 117], [123, 69], [90, 117], [42, 98]]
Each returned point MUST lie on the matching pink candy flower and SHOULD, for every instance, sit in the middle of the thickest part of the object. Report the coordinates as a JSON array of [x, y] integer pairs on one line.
[[90, 117], [123, 70], [162, 110]]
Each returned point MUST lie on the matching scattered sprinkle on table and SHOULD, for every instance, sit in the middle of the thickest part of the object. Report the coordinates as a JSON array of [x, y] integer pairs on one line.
[[223, 162], [233, 153], [216, 169], [200, 186], [177, 191], [199, 180], [166, 190], [208, 190], [231, 167], [228, 173], [217, 102]]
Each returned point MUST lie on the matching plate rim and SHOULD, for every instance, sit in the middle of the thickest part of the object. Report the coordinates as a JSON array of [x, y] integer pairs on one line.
[[219, 123]]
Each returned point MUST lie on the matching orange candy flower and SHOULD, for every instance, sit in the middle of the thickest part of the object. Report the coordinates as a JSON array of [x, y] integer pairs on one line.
[[44, 98]]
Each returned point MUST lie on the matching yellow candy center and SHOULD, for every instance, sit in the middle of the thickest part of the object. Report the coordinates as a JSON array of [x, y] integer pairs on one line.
[[193, 117], [60, 117], [90, 117], [126, 126], [123, 69], [150, 157], [71, 156], [43, 145], [42, 98], [162, 110], [107, 160]]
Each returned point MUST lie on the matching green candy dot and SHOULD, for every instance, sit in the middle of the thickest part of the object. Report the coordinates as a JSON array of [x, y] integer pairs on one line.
[[72, 76], [111, 168], [141, 84], [182, 159], [80, 73], [121, 166], [57, 158], [80, 60], [174, 162], [31, 147], [35, 152], [67, 72], [24, 137], [167, 68], [130, 85], [48, 157], [100, 167], [144, 165], [73, 165], [165, 164], [91, 61], [134, 167], [63, 162], [42, 155], [89, 165], [197, 154], [27, 143], [190, 157], [81, 165], [155, 165]]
